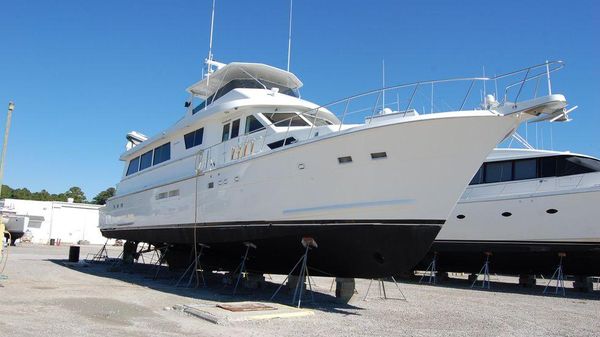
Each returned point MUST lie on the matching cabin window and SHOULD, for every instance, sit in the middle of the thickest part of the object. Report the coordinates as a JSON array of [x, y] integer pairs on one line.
[[570, 165], [478, 177], [134, 166], [146, 160], [193, 138], [162, 153], [498, 171], [252, 124], [525, 169], [548, 167], [280, 143], [235, 128], [283, 119], [225, 135]]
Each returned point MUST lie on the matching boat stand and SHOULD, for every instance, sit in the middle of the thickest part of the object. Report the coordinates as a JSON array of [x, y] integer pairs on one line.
[[382, 292], [559, 276], [431, 270], [101, 255], [485, 270], [242, 266], [308, 243], [161, 259], [195, 268]]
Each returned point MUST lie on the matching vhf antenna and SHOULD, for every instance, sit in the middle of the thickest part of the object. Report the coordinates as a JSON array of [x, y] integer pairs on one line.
[[210, 43], [290, 36]]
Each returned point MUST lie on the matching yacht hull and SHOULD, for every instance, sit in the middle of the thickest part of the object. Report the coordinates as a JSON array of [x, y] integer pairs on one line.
[[360, 212], [342, 249], [541, 225]]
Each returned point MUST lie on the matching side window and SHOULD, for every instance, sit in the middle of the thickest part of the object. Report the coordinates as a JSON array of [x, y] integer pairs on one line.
[[252, 124], [134, 166], [235, 128], [570, 165], [193, 138], [146, 160], [525, 169], [225, 135], [498, 171], [478, 177], [162, 153], [548, 167]]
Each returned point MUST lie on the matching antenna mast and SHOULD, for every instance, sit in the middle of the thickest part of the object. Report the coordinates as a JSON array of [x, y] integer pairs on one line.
[[210, 43], [383, 82], [289, 36]]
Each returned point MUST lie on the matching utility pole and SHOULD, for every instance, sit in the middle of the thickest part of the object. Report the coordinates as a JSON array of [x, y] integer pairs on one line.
[[11, 107]]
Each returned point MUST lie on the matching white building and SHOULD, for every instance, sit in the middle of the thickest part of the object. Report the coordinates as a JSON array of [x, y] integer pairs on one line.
[[66, 222]]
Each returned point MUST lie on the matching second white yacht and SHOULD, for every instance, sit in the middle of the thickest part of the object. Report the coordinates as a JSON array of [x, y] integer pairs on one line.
[[525, 207]]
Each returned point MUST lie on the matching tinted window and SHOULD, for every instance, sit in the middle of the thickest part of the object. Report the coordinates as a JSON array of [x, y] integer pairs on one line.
[[235, 128], [569, 165], [285, 119], [498, 171], [478, 178], [146, 160], [193, 138], [162, 153], [280, 143], [525, 169], [252, 124], [225, 135], [548, 167], [134, 165]]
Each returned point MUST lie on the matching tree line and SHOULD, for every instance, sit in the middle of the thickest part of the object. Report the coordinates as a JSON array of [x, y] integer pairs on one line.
[[74, 192]]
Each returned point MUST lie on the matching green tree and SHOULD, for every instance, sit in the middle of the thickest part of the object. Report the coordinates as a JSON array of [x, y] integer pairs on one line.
[[7, 192], [22, 193], [76, 193], [101, 198]]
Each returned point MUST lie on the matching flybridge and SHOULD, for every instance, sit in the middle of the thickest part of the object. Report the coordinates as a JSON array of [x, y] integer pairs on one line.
[[265, 76]]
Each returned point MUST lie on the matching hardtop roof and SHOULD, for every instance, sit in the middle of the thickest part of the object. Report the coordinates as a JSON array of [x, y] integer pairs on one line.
[[238, 70]]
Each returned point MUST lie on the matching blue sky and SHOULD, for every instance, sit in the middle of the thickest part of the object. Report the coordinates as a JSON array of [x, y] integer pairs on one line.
[[84, 73]]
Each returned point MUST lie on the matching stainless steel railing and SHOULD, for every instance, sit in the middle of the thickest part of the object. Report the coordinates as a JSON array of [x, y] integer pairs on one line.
[[364, 107]]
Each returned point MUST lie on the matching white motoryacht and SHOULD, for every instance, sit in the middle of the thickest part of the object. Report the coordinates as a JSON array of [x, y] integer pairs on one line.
[[525, 206], [255, 162]]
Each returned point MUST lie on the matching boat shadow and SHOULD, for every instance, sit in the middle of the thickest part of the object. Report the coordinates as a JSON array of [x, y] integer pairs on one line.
[[500, 284], [160, 278]]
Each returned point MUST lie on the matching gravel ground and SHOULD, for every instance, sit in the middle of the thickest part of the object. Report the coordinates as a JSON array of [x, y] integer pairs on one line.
[[44, 297]]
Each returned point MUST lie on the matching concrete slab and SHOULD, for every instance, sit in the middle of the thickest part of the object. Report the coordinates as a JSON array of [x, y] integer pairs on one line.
[[229, 312]]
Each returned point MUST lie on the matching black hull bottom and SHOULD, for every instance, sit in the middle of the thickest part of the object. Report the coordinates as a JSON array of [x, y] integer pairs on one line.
[[344, 250], [515, 257]]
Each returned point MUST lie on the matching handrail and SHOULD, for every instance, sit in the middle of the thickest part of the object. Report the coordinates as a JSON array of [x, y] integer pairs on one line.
[[263, 132]]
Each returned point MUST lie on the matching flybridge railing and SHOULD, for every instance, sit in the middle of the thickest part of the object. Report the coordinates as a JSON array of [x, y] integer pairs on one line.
[[430, 96]]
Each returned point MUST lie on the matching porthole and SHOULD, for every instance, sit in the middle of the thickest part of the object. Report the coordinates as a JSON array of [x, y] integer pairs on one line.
[[460, 216], [506, 214], [552, 211]]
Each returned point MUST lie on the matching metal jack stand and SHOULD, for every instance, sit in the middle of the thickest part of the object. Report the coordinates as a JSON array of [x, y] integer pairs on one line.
[[242, 266], [485, 270], [431, 269], [308, 243], [161, 259], [196, 268], [560, 277], [102, 254], [382, 292]]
